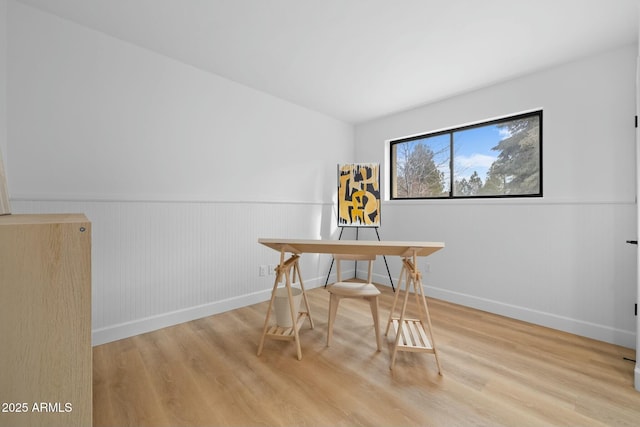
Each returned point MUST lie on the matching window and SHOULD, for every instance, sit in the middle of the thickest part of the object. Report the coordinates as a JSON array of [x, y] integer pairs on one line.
[[500, 158]]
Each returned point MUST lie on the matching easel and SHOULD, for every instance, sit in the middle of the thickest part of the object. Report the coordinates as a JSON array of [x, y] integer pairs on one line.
[[326, 282], [286, 269]]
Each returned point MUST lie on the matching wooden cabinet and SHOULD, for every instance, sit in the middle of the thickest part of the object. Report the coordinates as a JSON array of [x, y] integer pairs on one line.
[[45, 320]]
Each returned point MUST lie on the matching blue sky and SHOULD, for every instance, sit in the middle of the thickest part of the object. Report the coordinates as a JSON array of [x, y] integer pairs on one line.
[[472, 150]]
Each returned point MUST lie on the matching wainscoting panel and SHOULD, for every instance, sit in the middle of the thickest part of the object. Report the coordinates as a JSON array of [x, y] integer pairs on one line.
[[157, 264], [558, 263]]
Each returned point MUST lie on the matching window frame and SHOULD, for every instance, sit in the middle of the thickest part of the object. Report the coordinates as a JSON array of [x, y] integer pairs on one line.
[[451, 178]]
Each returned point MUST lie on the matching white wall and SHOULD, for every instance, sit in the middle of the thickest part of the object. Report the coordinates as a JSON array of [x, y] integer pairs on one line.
[[3, 78], [561, 260], [180, 171]]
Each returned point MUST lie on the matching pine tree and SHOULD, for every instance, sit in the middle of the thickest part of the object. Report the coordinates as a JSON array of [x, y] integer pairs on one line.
[[475, 183], [470, 187], [494, 183], [519, 160]]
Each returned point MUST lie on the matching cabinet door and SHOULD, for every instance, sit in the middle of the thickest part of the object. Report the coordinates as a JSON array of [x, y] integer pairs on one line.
[[45, 324]]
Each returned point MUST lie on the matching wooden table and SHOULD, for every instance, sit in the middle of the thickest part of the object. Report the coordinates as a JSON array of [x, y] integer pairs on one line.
[[411, 334]]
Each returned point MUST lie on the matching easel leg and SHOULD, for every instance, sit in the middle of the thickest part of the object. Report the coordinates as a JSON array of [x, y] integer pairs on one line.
[[386, 265], [326, 282]]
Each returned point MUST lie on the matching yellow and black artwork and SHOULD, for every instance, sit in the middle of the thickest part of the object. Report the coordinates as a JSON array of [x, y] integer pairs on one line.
[[359, 195]]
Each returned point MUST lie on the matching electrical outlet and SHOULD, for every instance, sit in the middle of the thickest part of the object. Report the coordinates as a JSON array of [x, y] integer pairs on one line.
[[272, 269], [262, 270]]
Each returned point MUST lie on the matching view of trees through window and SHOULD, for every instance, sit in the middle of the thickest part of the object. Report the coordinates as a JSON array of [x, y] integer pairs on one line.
[[500, 158]]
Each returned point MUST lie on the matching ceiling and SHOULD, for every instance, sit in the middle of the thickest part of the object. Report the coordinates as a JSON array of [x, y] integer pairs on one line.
[[357, 60]]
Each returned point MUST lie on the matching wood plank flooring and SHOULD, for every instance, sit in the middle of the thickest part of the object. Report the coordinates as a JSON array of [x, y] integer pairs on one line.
[[496, 372]]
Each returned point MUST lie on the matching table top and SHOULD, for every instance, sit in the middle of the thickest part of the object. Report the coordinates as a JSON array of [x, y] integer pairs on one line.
[[364, 247]]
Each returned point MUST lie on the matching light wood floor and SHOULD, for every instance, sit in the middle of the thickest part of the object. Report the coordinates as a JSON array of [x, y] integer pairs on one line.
[[497, 372]]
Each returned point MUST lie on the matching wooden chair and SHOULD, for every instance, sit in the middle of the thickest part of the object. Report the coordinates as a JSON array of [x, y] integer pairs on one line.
[[365, 291]]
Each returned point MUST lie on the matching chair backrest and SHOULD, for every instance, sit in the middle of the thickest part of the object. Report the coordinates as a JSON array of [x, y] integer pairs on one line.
[[354, 257]]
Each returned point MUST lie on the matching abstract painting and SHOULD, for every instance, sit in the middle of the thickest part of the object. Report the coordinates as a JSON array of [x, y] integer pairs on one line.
[[359, 195]]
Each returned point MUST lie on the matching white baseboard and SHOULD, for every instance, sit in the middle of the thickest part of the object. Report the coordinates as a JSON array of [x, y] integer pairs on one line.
[[582, 328], [586, 329], [550, 320], [153, 323]]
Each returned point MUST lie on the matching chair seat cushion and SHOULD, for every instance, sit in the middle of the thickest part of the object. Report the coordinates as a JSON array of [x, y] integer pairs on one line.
[[354, 289]]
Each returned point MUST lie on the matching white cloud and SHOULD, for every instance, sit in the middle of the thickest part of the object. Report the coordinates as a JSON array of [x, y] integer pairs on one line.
[[504, 133], [466, 165], [475, 161]]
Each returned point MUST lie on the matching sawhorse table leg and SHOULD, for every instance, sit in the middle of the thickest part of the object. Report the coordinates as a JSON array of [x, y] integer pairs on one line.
[[287, 270], [414, 335]]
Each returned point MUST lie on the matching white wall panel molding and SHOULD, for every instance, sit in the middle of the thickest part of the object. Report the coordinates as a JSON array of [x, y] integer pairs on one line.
[[601, 332], [158, 263], [530, 201], [160, 198], [163, 320]]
